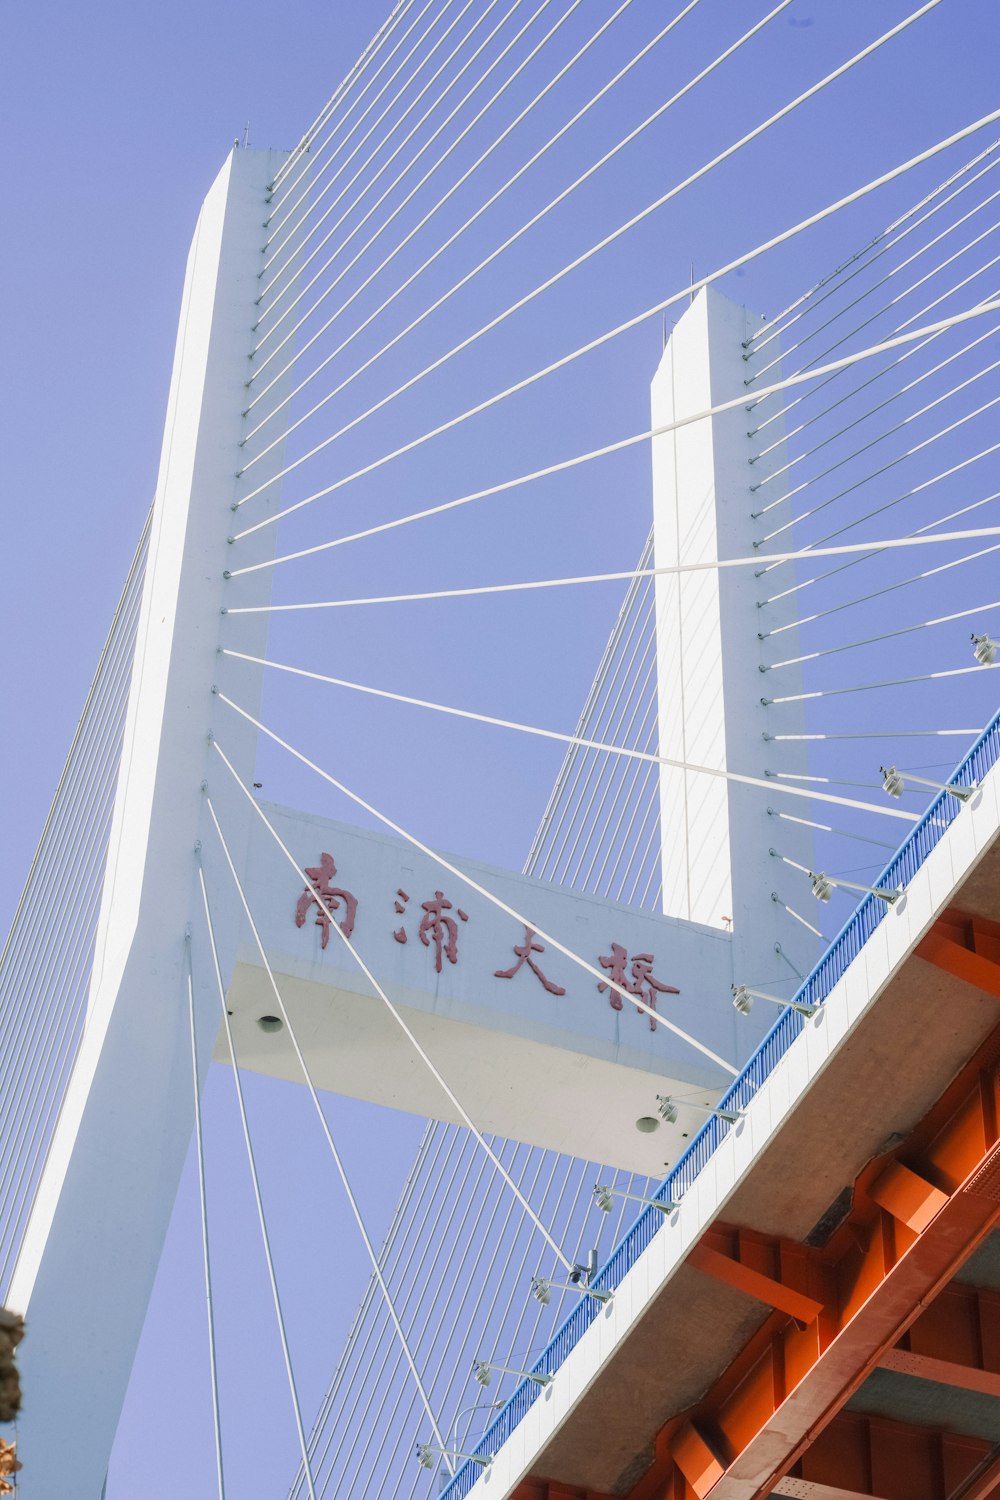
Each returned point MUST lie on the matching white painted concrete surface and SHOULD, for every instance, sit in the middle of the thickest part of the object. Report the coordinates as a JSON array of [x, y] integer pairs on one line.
[[93, 1243], [716, 835]]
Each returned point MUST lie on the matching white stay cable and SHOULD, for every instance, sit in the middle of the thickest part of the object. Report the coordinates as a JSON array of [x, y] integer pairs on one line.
[[466, 1119], [883, 735], [290, 256], [921, 312], [924, 530], [328, 1134], [783, 411], [935, 270], [891, 463], [305, 144], [764, 561], [593, 772], [763, 336], [279, 1315], [494, 900], [797, 917], [203, 1205], [881, 437], [601, 245], [848, 395], [499, 250], [126, 603], [840, 832], [888, 588], [565, 739], [288, 263], [603, 706], [473, 218], [870, 412], [771, 328], [454, 187], [276, 203], [867, 687], [76, 822], [273, 250], [735, 404], [887, 635], [358, 1358]]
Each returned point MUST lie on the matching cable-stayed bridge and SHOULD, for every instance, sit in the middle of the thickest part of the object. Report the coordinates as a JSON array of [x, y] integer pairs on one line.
[[387, 494]]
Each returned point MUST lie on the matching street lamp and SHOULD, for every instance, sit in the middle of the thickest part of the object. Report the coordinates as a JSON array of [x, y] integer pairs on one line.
[[744, 996], [668, 1109], [894, 784], [604, 1197]]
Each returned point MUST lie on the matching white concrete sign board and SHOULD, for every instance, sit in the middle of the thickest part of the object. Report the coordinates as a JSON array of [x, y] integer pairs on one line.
[[531, 1044]]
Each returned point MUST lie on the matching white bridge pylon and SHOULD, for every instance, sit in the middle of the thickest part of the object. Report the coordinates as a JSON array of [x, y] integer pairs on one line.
[[534, 1048]]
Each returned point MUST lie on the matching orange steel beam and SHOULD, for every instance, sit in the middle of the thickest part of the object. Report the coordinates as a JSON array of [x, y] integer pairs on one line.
[[944, 1371], [744, 1278], [955, 1341], [695, 1459], [911, 1199]]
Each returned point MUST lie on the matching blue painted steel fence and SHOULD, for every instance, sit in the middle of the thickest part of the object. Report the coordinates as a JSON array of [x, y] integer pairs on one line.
[[845, 947]]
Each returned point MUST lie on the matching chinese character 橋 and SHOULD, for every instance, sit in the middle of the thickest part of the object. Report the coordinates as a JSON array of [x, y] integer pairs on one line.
[[327, 899], [439, 929], [524, 951], [642, 982]]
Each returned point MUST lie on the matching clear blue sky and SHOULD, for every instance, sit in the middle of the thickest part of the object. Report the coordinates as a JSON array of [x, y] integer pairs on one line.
[[116, 119]]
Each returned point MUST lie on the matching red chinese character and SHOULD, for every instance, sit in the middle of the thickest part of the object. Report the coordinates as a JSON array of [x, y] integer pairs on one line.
[[524, 951], [441, 930], [642, 983], [327, 899]]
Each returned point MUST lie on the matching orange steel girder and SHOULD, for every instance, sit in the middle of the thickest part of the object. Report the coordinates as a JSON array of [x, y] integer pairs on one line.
[[912, 1226], [955, 1341]]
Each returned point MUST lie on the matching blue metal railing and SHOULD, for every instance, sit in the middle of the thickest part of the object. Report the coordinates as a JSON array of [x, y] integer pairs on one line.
[[815, 988]]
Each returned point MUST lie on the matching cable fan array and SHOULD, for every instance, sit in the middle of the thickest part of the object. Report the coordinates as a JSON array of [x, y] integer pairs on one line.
[[47, 959]]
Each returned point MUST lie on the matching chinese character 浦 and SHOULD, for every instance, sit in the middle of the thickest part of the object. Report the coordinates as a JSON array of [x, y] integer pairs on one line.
[[327, 899], [439, 929], [524, 951], [642, 983]]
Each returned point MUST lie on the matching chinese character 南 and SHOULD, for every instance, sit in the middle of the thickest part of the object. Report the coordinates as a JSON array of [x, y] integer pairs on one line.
[[642, 982], [524, 951], [327, 899], [436, 928]]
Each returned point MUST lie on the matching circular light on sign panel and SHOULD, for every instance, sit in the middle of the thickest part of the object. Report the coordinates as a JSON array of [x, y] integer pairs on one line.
[[270, 1023], [647, 1124]]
